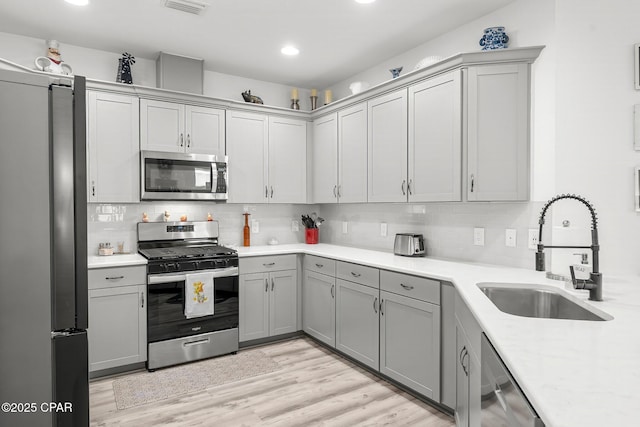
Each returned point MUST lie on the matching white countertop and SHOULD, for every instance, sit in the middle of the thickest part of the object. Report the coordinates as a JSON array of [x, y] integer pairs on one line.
[[575, 373], [117, 260]]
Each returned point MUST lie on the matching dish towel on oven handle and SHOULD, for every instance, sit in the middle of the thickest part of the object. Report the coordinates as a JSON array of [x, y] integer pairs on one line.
[[198, 295]]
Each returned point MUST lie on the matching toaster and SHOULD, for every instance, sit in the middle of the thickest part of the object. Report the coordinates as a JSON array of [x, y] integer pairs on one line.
[[407, 244]]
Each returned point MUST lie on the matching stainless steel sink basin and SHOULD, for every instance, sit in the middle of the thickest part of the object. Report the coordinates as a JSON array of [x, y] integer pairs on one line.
[[539, 301]]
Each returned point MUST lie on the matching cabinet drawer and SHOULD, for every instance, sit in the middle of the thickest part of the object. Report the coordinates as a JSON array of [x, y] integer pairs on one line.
[[411, 286], [267, 263], [368, 276], [117, 276], [320, 265]]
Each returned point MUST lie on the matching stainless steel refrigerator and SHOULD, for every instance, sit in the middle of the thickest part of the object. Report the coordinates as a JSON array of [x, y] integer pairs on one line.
[[43, 251]]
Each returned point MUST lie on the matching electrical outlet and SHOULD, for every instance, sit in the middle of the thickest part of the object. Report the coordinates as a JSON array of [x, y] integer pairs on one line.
[[533, 239], [383, 229], [510, 237], [478, 236], [255, 226], [295, 226], [345, 227]]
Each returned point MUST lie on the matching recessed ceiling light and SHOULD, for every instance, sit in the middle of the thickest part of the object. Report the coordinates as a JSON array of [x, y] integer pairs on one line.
[[78, 2], [365, 1], [289, 51]]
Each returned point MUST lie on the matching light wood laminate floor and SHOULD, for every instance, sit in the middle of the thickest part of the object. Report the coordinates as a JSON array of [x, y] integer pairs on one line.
[[315, 387]]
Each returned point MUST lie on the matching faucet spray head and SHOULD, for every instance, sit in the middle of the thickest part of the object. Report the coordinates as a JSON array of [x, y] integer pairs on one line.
[[540, 264]]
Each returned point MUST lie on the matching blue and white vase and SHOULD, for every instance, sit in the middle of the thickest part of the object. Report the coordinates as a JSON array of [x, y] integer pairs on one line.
[[494, 38]]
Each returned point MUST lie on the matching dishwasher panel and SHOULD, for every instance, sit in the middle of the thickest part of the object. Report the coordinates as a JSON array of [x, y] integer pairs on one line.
[[503, 403]]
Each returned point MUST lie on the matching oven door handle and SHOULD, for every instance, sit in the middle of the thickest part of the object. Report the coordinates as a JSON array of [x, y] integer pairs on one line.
[[154, 279]]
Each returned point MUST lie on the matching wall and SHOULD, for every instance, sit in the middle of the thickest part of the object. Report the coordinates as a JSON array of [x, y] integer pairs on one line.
[[118, 222], [103, 65]]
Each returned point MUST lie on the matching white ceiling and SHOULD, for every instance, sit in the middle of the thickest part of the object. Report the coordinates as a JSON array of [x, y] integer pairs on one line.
[[336, 38]]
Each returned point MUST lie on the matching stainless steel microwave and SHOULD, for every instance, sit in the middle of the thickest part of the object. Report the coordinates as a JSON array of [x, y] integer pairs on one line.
[[182, 176]]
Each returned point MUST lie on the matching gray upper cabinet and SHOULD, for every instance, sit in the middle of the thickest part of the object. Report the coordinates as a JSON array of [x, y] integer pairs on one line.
[[435, 139], [113, 148], [387, 147], [498, 132], [325, 159]]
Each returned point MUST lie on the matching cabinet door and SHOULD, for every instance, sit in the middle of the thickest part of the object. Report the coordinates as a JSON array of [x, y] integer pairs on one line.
[[435, 139], [162, 126], [319, 307], [410, 343], [247, 146], [205, 130], [117, 326], [387, 143], [283, 312], [113, 148], [325, 159], [254, 306], [498, 132], [287, 160], [352, 154], [357, 325], [462, 379]]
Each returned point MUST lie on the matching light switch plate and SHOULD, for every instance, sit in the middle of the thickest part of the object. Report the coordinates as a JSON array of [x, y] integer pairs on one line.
[[383, 229], [295, 226], [478, 236], [255, 226], [532, 242], [345, 227], [510, 237]]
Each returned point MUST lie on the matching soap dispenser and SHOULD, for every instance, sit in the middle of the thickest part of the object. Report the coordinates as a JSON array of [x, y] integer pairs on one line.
[[582, 270]]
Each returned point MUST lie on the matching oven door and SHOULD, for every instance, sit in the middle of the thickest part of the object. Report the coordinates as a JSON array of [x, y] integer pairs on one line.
[[181, 176], [165, 309]]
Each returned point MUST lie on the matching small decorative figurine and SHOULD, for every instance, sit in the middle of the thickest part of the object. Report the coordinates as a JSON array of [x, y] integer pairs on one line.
[[52, 63], [251, 98], [145, 217], [395, 72], [124, 68], [494, 38], [166, 216]]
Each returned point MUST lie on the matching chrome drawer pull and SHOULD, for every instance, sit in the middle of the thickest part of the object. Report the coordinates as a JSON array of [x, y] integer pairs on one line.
[[199, 342], [407, 287], [114, 278], [319, 265], [355, 274], [270, 264]]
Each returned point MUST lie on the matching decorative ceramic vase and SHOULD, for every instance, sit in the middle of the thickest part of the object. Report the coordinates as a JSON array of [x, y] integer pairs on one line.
[[395, 72], [494, 38]]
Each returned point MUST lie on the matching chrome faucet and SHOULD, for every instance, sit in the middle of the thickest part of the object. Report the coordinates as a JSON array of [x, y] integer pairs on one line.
[[594, 283]]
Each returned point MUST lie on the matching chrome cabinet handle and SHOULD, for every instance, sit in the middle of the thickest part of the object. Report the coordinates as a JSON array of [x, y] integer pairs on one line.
[[407, 287], [142, 299], [93, 188], [332, 294], [266, 191], [473, 181], [404, 182], [409, 187], [381, 307], [188, 140], [272, 192], [354, 274], [114, 277], [266, 285], [375, 305], [269, 264], [181, 140], [339, 195], [272, 284], [335, 189], [319, 265]]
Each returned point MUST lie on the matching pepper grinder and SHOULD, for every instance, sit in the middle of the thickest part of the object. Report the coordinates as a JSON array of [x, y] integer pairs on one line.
[[246, 230]]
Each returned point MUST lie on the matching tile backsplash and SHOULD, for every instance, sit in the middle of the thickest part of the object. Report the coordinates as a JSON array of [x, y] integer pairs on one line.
[[447, 227]]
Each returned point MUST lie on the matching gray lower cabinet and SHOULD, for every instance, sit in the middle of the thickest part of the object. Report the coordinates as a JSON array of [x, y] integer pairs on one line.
[[410, 343], [268, 304], [468, 404], [319, 306], [357, 324], [117, 330]]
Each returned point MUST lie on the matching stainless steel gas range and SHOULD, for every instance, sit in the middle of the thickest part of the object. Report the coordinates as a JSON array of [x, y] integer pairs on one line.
[[176, 252]]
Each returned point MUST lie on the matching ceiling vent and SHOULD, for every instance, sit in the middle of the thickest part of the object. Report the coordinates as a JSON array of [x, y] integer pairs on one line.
[[190, 6]]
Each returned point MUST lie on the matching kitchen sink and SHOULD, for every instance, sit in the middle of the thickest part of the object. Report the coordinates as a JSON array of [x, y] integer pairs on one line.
[[539, 301]]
